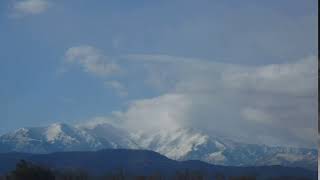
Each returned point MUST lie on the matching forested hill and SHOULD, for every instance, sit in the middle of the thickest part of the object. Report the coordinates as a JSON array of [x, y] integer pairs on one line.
[[141, 162]]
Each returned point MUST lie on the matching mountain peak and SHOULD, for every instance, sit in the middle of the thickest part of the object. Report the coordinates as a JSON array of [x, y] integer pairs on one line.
[[178, 144], [21, 131]]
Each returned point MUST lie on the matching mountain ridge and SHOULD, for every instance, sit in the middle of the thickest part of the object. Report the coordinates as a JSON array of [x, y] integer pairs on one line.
[[181, 144]]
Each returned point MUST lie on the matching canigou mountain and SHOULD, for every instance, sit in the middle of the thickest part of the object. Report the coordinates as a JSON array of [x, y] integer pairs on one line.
[[182, 144]]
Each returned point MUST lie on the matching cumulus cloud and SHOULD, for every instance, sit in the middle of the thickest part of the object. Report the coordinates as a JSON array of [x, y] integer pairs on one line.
[[163, 112], [29, 7], [91, 60], [274, 104], [118, 87]]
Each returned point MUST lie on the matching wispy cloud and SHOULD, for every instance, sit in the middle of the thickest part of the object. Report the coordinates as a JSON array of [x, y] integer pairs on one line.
[[22, 8], [118, 87], [91, 60], [296, 78], [247, 102]]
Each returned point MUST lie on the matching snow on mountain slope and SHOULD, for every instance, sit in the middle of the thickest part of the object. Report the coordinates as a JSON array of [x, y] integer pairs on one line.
[[56, 137], [70, 138], [175, 144], [119, 138], [189, 144], [179, 144]]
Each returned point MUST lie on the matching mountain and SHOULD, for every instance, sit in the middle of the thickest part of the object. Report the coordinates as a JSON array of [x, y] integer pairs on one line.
[[188, 144], [141, 162], [62, 137], [180, 144]]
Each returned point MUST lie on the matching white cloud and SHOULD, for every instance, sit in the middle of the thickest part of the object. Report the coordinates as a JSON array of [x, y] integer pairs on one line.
[[163, 112], [292, 78], [273, 104], [118, 87], [29, 7], [91, 60]]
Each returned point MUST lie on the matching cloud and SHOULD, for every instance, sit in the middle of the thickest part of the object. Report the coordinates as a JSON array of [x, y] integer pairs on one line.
[[118, 87], [292, 78], [29, 7], [253, 114], [91, 60], [163, 112], [274, 104]]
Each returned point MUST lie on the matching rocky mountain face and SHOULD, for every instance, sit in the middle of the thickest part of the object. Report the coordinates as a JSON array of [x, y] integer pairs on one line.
[[180, 144]]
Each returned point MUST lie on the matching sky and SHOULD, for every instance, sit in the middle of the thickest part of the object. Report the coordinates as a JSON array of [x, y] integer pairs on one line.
[[243, 69]]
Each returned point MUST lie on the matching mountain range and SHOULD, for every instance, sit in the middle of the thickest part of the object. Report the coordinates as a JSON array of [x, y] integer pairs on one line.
[[180, 144]]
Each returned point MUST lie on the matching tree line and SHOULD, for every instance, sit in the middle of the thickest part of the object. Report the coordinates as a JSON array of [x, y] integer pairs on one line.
[[28, 171]]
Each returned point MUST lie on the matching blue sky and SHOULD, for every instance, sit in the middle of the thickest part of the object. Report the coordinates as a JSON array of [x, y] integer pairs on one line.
[[72, 61]]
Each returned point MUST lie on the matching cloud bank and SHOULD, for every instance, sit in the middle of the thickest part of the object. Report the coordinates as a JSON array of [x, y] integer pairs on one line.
[[274, 104]]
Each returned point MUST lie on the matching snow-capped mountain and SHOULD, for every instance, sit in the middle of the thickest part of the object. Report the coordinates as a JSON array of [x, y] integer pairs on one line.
[[63, 137], [180, 144], [188, 144]]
